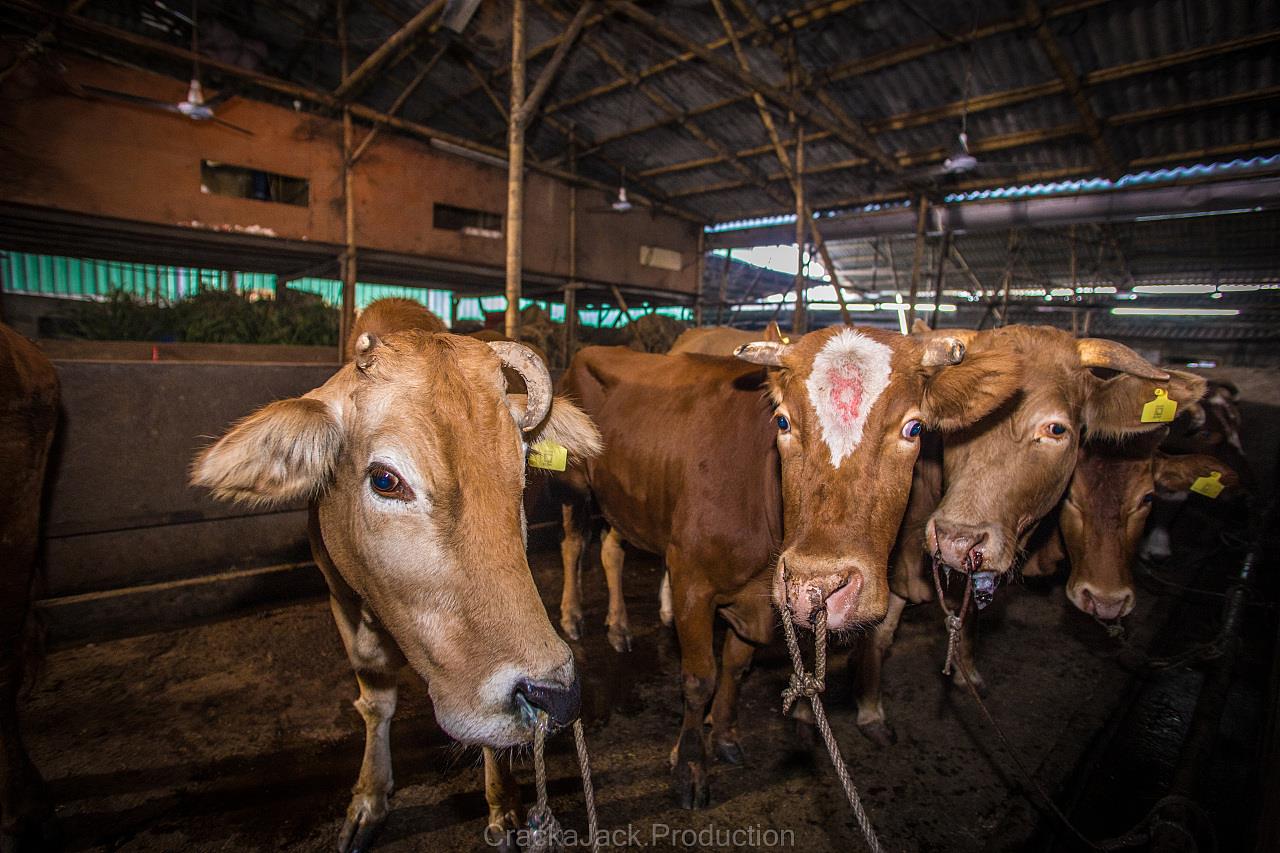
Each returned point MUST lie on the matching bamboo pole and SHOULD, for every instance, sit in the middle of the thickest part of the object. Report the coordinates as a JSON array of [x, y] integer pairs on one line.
[[352, 82], [798, 319], [399, 102], [515, 173], [700, 270], [571, 289], [917, 263], [939, 276], [349, 264], [724, 286]]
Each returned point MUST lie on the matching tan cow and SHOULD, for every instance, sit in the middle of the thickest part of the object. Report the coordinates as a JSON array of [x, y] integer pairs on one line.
[[28, 414], [709, 460], [413, 458], [1007, 471]]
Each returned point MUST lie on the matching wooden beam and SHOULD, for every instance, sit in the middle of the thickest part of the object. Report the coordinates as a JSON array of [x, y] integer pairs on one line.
[[1075, 90], [402, 38], [852, 135], [568, 37], [798, 319], [515, 173], [922, 213], [944, 251], [399, 102], [347, 319]]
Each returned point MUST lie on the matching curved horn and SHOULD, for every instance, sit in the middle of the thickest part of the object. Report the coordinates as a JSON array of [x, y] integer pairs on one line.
[[768, 353], [943, 350], [1100, 352], [537, 380]]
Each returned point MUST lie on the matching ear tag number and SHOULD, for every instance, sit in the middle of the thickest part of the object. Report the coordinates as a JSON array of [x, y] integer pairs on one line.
[[1160, 410], [549, 455], [1210, 486]]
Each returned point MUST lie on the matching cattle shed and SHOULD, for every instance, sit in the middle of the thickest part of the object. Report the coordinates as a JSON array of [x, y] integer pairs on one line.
[[1024, 256]]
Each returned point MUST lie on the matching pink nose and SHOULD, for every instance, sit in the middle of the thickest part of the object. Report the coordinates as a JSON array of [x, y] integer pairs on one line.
[[960, 546], [838, 592], [1106, 606]]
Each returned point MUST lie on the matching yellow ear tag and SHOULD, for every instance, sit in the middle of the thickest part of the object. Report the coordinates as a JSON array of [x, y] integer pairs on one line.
[[1210, 486], [548, 455], [1160, 410]]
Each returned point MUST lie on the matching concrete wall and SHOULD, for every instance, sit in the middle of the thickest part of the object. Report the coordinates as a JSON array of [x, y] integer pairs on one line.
[[107, 159]]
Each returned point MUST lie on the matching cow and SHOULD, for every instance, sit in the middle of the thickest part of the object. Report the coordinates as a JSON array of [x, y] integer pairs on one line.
[[707, 340], [980, 494], [29, 398], [1102, 517], [412, 457], [392, 314], [785, 484], [1212, 428]]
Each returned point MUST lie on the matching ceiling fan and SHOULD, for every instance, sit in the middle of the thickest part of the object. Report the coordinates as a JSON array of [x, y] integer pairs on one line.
[[195, 106], [620, 204]]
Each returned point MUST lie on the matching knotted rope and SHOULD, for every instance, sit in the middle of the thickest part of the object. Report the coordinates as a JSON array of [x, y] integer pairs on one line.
[[809, 685], [544, 829]]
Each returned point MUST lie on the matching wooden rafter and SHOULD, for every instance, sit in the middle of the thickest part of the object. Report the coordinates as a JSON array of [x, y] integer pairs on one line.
[[401, 42], [1074, 88], [980, 103]]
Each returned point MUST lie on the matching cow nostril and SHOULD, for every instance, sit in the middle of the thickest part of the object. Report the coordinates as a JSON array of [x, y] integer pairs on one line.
[[561, 704]]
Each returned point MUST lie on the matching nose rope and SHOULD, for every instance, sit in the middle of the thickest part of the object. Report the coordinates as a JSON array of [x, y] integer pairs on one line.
[[544, 828], [954, 621], [809, 685]]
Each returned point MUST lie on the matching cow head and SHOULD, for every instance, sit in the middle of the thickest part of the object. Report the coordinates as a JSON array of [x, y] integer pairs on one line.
[[1106, 508], [851, 404], [414, 457], [1007, 471]]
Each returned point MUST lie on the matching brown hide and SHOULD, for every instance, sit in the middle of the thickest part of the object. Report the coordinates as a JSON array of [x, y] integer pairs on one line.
[[28, 414], [383, 316]]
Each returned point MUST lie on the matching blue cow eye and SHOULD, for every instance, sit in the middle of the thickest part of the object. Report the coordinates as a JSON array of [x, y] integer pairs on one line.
[[1057, 429], [784, 425], [384, 482], [911, 429]]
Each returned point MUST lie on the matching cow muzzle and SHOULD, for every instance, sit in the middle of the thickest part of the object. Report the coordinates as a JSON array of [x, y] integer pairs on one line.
[[1106, 605], [559, 702], [960, 546], [838, 591]]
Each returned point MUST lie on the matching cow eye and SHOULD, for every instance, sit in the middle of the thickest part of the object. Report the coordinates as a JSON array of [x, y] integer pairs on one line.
[[388, 483], [784, 424], [911, 429], [1053, 430], [1148, 497]]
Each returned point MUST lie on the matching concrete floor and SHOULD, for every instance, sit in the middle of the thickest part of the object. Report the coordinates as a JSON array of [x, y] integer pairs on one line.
[[240, 735]]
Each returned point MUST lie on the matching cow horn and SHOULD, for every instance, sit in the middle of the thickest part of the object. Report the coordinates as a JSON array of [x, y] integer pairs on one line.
[[768, 353], [365, 345], [537, 380], [1100, 352], [943, 350]]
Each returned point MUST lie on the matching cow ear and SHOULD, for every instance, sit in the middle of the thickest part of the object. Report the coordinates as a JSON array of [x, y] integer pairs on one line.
[[920, 327], [282, 452], [1114, 407], [566, 425], [957, 395], [1174, 475], [773, 333]]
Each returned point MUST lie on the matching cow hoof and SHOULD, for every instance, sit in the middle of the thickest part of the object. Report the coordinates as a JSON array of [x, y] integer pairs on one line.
[[690, 786], [572, 626], [620, 639], [879, 732], [365, 817], [728, 751]]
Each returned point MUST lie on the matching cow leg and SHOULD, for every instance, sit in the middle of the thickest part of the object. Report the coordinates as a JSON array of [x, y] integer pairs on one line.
[[572, 550], [868, 665], [502, 791], [612, 556], [695, 619], [666, 614], [735, 659], [377, 660]]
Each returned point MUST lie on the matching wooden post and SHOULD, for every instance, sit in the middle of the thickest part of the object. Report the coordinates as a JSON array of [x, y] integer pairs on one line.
[[798, 316], [571, 289], [922, 221], [347, 318], [943, 251], [724, 285], [700, 271], [515, 173]]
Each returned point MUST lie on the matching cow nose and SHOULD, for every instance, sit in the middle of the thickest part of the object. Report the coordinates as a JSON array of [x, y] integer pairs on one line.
[[960, 546], [1106, 606], [837, 591], [560, 703]]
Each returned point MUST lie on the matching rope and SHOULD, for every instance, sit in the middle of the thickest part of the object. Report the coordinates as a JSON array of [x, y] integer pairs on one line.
[[810, 685], [545, 832], [1139, 835]]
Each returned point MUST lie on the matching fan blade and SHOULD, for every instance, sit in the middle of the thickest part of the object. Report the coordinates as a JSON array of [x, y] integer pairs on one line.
[[125, 97], [223, 96], [237, 128]]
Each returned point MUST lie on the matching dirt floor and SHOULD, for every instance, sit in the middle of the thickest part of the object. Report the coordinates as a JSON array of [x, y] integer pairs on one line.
[[240, 735]]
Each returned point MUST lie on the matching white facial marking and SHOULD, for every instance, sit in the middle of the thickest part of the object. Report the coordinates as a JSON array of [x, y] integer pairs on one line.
[[849, 374]]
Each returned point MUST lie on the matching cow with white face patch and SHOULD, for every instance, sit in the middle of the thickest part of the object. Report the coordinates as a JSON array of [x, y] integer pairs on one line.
[[413, 458], [784, 483]]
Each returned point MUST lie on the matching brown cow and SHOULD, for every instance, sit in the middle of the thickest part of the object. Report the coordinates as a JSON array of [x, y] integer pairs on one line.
[[1103, 515], [413, 457], [1007, 471], [709, 460], [28, 414], [383, 316]]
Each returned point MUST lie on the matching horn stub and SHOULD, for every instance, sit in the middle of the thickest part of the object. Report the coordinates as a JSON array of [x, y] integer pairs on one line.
[[537, 380], [943, 351]]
